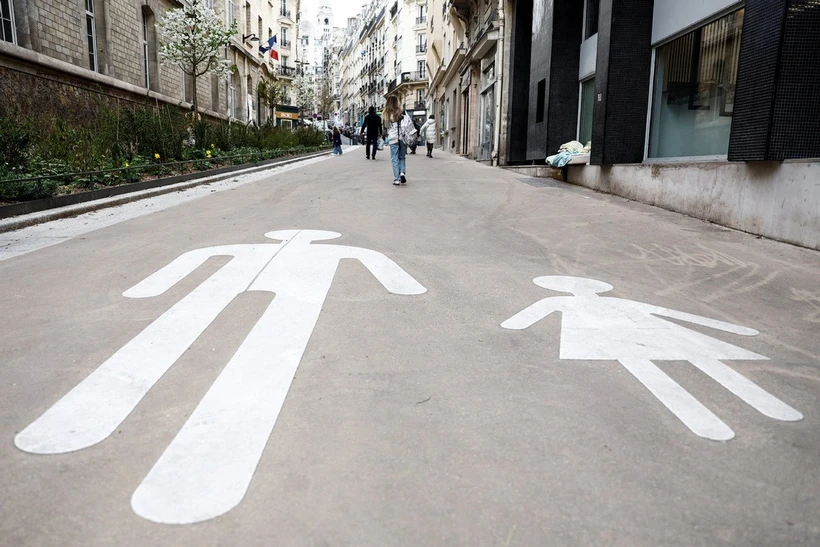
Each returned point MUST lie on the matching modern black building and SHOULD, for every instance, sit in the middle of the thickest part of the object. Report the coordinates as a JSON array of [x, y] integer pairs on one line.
[[670, 83]]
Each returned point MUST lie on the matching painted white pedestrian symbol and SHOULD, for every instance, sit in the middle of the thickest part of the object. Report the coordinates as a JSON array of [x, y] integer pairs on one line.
[[207, 468], [595, 327]]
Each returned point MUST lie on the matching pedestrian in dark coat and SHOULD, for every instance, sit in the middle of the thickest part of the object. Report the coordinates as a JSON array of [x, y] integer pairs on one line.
[[337, 142], [372, 131]]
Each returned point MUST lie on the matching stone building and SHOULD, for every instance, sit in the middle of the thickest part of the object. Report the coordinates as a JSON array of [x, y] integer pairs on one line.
[[113, 44], [384, 53], [466, 69], [408, 74]]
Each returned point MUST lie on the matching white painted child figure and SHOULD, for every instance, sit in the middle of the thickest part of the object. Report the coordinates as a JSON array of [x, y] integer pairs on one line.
[[606, 328]]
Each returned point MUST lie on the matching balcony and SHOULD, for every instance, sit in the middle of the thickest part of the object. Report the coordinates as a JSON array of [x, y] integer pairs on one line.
[[287, 71], [421, 48], [411, 77], [285, 13], [462, 7], [285, 44], [421, 20]]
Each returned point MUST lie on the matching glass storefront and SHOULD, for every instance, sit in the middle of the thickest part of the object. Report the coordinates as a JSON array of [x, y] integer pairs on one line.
[[694, 91]]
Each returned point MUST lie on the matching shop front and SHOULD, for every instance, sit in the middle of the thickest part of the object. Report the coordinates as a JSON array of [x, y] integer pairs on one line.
[[286, 116]]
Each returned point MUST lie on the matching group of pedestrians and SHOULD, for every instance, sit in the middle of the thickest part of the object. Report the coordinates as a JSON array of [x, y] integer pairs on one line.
[[374, 128]]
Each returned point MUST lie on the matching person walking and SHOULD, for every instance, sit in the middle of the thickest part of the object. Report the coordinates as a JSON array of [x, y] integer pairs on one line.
[[372, 132], [429, 132], [393, 114], [337, 142]]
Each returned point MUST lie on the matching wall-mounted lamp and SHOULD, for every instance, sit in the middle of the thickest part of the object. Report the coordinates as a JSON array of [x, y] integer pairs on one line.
[[249, 38]]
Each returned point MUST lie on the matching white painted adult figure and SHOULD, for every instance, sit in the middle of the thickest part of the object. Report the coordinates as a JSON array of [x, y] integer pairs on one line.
[[594, 327], [207, 468]]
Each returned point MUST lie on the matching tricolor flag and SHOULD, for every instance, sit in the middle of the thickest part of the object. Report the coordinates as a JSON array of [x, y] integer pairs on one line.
[[270, 45]]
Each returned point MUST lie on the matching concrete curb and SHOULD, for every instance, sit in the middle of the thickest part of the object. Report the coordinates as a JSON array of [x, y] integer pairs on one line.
[[31, 219]]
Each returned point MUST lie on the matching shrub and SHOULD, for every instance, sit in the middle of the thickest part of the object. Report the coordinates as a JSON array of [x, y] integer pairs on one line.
[[14, 143]]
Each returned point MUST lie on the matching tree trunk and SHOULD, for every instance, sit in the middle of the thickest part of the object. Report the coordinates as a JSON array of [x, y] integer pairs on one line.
[[193, 85]]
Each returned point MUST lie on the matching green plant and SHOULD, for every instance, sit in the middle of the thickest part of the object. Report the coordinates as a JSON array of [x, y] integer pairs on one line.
[[14, 144]]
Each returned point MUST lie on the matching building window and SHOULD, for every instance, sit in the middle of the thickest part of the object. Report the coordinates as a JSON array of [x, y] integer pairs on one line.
[[91, 34], [421, 66], [248, 18], [233, 104], [541, 96], [188, 87], [231, 9], [591, 9], [7, 30], [145, 65], [694, 90], [587, 105], [283, 10]]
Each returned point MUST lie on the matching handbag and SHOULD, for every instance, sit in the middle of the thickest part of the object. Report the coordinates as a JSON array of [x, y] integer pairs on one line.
[[407, 130]]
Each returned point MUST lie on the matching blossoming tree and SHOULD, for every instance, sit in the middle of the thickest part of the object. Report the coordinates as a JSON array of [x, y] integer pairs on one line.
[[193, 38], [304, 93]]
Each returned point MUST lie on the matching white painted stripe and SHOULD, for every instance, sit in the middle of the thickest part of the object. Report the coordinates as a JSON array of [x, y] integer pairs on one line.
[[208, 467], [754, 395], [97, 406], [689, 410]]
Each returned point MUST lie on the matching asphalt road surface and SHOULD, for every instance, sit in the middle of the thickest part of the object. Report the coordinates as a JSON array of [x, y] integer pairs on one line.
[[314, 356]]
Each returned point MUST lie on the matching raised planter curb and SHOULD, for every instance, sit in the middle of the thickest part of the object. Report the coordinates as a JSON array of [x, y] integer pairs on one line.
[[21, 215]]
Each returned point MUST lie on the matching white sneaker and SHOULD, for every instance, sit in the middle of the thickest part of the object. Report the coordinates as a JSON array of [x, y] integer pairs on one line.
[[395, 183], [403, 178]]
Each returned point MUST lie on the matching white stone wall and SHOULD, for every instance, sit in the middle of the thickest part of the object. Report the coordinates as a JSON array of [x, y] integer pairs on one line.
[[777, 200]]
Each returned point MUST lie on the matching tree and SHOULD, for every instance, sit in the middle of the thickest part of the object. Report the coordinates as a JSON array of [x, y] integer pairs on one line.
[[193, 38], [271, 92], [304, 92], [326, 101]]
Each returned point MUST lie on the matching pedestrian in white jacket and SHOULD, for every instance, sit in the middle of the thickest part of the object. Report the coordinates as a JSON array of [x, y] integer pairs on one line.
[[429, 132]]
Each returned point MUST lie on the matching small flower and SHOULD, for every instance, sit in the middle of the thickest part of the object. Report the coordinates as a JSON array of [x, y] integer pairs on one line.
[[208, 153], [126, 164], [213, 146], [156, 156]]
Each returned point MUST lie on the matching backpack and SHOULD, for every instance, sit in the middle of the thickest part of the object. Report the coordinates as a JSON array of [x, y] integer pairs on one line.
[[407, 130]]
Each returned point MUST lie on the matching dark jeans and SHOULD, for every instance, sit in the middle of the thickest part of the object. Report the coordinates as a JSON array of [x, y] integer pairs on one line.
[[371, 140], [429, 148]]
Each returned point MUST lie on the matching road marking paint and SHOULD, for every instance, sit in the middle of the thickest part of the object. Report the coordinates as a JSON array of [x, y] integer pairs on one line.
[[634, 333], [207, 468]]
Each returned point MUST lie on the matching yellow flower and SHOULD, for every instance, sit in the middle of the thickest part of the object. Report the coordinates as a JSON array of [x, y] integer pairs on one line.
[[208, 153], [156, 156], [126, 164], [213, 146]]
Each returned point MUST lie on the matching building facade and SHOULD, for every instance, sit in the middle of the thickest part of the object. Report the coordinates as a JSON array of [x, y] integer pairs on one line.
[[384, 52], [465, 63], [710, 107], [114, 43]]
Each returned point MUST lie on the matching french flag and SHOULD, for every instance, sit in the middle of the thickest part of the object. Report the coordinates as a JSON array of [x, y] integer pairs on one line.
[[270, 45]]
